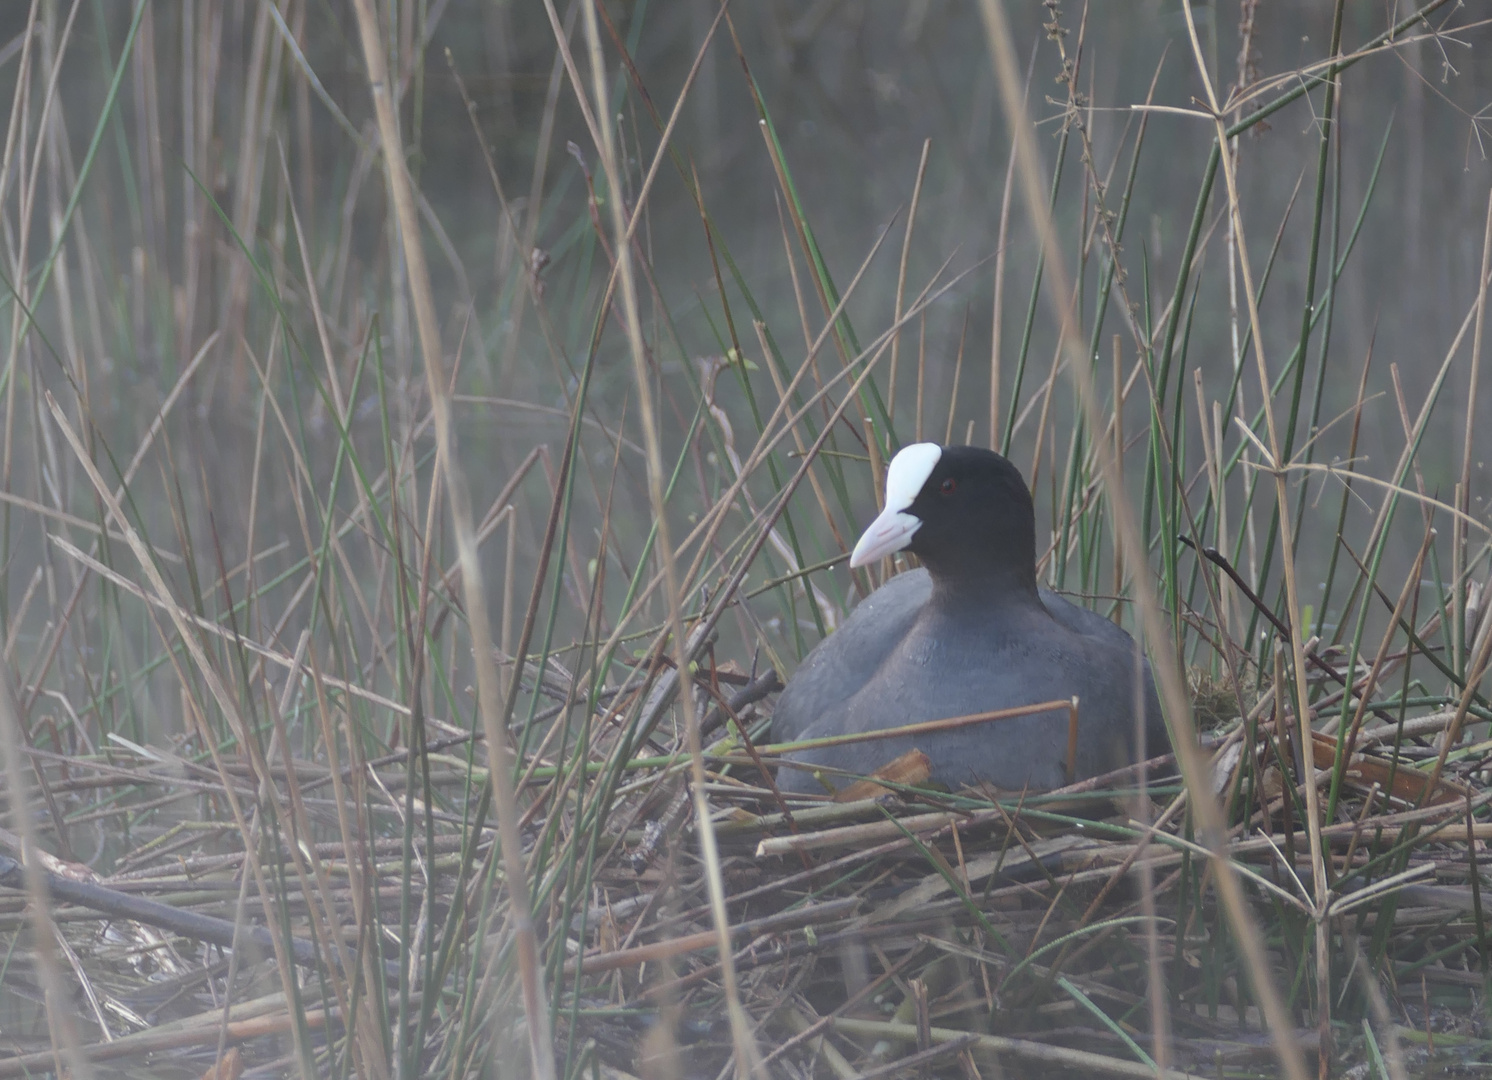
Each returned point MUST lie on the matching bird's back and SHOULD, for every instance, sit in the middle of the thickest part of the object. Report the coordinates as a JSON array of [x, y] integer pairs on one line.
[[846, 660], [913, 662]]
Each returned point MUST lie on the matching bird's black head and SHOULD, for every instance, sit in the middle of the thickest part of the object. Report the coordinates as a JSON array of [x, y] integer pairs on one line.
[[964, 511]]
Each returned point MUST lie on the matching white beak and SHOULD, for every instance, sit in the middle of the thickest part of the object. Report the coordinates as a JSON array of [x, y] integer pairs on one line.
[[893, 530], [887, 534]]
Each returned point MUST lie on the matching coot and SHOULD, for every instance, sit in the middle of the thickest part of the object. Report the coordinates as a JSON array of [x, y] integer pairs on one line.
[[969, 632]]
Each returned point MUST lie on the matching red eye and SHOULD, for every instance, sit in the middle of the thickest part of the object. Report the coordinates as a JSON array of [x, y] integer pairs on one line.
[[948, 486]]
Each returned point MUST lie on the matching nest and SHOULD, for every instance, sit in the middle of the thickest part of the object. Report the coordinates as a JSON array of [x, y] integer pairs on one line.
[[896, 931], [890, 931]]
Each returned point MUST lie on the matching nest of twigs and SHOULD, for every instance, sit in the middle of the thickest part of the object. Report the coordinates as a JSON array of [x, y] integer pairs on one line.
[[889, 931], [1075, 932]]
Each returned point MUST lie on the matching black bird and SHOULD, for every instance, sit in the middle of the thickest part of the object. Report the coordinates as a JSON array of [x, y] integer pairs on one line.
[[968, 633]]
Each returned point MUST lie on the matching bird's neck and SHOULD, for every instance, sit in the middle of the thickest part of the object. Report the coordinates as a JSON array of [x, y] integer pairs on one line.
[[985, 588]]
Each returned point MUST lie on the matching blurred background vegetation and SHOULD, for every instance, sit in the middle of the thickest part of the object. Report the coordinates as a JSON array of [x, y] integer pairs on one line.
[[201, 265], [215, 104]]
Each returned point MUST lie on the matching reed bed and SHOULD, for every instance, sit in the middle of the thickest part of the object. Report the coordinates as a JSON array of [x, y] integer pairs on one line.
[[390, 652]]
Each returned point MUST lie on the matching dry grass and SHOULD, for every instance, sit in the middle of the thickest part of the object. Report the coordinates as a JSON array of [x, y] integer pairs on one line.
[[332, 748]]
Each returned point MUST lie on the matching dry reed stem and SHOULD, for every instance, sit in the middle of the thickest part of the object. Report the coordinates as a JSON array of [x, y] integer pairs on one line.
[[1463, 489], [489, 695], [901, 276], [66, 1044], [1076, 1061], [359, 588], [1178, 713], [746, 1054], [1289, 1051]]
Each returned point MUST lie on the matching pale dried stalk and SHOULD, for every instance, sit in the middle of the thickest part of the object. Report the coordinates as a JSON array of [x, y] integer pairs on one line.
[[1126, 534], [541, 1044]]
